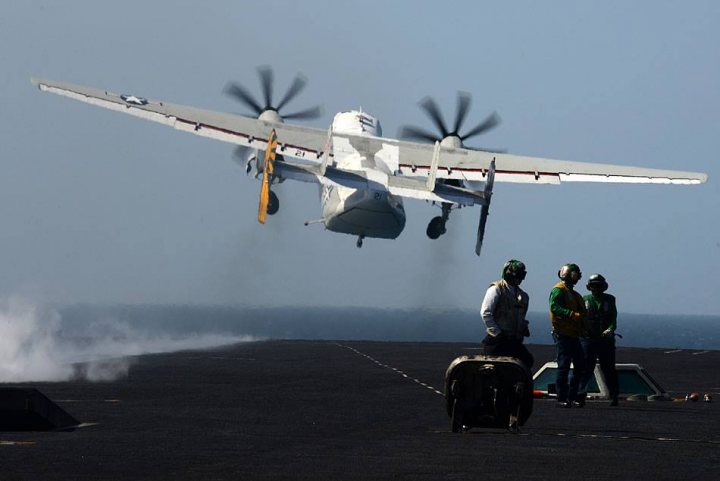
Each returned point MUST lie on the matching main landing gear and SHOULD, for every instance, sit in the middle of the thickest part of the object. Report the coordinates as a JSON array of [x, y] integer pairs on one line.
[[436, 227], [273, 203], [359, 242]]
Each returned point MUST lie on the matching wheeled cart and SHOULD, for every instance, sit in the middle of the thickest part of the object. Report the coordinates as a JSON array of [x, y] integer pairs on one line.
[[489, 392]]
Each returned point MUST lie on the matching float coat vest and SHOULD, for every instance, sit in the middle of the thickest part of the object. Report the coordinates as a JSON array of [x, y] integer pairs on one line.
[[566, 325], [511, 309], [600, 315]]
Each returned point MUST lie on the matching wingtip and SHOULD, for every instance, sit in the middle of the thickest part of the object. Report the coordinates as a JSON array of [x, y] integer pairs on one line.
[[37, 82]]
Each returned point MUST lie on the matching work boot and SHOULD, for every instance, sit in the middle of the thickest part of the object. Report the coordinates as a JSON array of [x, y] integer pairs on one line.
[[564, 404], [580, 403], [614, 401]]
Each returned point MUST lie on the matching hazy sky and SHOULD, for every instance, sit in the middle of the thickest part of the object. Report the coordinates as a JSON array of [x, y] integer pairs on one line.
[[101, 207]]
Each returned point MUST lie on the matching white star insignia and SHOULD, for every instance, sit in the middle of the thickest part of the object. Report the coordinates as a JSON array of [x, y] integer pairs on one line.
[[132, 99]]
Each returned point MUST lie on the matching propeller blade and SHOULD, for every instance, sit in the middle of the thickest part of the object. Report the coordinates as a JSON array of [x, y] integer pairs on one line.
[[463, 105], [491, 121], [266, 83], [239, 92], [311, 113], [297, 86], [268, 170], [431, 108], [414, 133]]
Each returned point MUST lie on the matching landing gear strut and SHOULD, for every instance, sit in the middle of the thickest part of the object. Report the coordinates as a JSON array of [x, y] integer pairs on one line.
[[436, 227], [359, 242]]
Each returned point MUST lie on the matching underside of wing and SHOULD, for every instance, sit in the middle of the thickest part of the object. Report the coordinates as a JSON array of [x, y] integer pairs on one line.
[[456, 163], [294, 141], [411, 159]]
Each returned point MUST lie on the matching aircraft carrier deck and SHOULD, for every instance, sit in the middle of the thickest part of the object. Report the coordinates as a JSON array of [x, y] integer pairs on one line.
[[357, 410]]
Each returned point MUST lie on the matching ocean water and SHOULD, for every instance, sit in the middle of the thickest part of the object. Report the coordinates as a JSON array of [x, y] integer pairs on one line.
[[358, 323], [101, 343]]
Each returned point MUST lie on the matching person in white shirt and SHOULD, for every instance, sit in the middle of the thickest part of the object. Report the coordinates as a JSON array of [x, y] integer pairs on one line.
[[503, 311]]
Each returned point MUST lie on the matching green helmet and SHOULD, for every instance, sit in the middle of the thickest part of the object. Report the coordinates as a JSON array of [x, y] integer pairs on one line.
[[514, 270], [597, 282], [566, 271]]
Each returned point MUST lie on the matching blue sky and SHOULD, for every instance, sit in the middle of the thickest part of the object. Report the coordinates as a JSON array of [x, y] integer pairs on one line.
[[100, 207]]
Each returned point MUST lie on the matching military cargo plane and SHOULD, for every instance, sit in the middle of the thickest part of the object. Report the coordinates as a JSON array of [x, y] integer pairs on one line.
[[363, 176]]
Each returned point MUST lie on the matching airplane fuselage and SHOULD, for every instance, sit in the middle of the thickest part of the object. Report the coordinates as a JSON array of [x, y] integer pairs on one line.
[[371, 212]]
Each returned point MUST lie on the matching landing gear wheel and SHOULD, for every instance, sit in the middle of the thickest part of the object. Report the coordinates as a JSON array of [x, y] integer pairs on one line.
[[273, 204], [359, 242], [436, 227]]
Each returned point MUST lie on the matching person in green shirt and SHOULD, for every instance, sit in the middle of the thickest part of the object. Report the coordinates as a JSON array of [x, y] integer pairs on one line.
[[567, 313], [598, 339]]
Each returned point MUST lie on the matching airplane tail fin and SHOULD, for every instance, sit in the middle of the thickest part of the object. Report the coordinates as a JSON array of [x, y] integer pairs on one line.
[[486, 207], [268, 170]]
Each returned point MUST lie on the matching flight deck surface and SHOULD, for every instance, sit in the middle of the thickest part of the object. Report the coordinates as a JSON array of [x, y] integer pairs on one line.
[[357, 410]]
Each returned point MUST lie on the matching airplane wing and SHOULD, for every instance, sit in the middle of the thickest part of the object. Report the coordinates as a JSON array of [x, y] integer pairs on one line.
[[473, 165], [403, 159], [295, 141]]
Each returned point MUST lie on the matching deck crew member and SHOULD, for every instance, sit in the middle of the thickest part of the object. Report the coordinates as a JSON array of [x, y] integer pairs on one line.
[[598, 340], [503, 311], [567, 314]]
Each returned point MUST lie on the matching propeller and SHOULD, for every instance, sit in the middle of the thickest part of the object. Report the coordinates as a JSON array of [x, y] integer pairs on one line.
[[267, 79], [455, 138], [266, 109]]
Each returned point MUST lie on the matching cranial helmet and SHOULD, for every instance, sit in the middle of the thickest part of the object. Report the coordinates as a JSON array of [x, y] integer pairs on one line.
[[566, 273], [597, 282], [513, 270]]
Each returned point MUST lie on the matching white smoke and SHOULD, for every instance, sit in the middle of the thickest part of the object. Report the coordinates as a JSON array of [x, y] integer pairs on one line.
[[33, 346]]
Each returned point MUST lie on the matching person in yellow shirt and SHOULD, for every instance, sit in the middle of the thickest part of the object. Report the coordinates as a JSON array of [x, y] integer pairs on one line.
[[567, 314]]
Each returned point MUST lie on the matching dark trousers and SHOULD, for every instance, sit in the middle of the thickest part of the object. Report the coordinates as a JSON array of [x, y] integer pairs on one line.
[[569, 350], [602, 350], [506, 346]]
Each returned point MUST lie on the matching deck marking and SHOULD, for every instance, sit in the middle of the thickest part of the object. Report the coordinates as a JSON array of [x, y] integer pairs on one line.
[[672, 352], [635, 438], [698, 353], [17, 443], [590, 436], [417, 381], [88, 400]]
